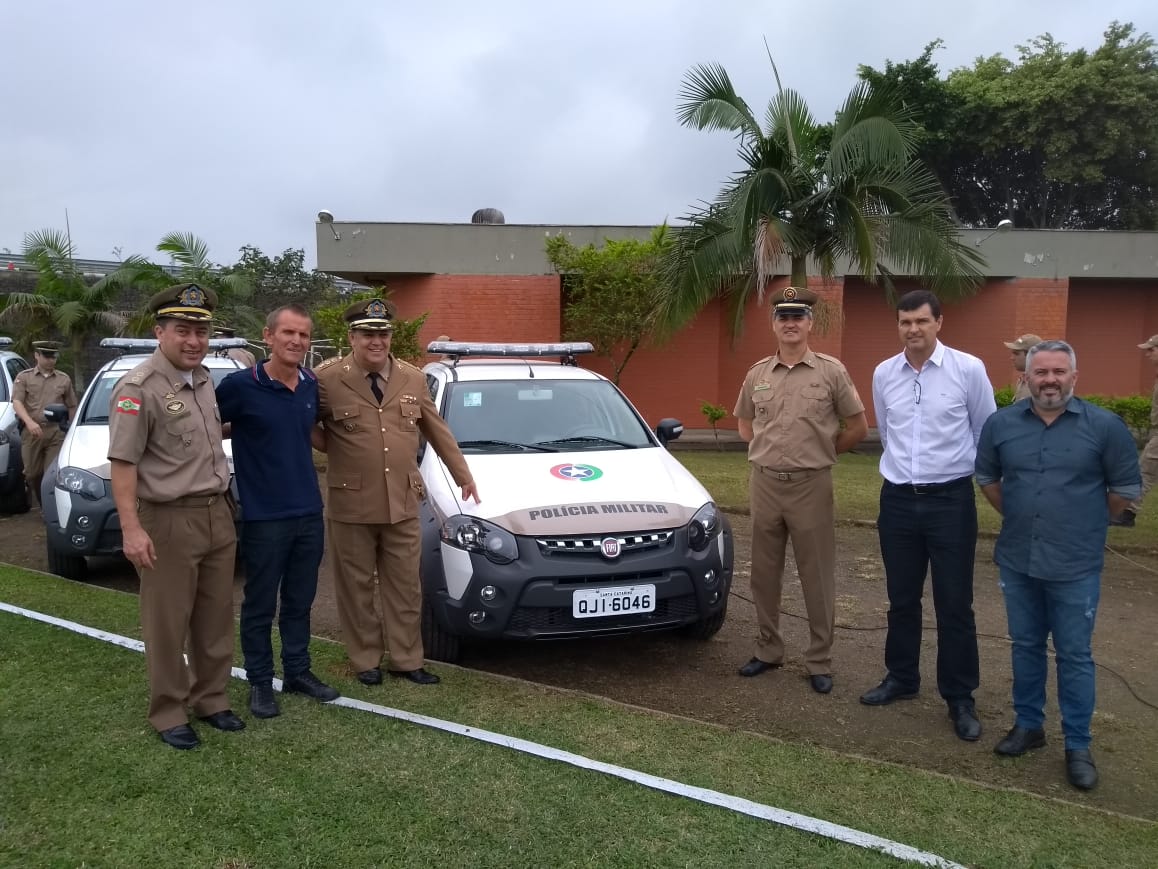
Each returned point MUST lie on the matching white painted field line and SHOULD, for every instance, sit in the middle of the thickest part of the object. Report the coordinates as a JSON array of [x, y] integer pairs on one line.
[[742, 806]]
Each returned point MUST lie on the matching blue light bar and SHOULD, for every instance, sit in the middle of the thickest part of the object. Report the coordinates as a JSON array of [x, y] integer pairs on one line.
[[469, 348], [5, 342], [148, 345]]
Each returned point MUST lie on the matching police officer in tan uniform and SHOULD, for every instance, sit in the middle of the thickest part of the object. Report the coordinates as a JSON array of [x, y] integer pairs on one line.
[[32, 391], [1149, 457], [238, 354], [170, 480], [372, 408], [1018, 348], [789, 410]]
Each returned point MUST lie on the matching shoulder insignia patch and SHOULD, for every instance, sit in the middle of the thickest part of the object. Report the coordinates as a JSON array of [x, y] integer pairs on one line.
[[405, 364], [759, 362], [326, 363], [827, 358]]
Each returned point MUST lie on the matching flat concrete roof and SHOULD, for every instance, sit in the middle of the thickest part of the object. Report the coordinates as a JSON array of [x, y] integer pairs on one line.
[[371, 252]]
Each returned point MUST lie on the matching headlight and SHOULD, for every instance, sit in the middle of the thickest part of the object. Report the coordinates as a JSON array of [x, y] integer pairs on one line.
[[478, 535], [82, 482], [704, 526], [3, 437]]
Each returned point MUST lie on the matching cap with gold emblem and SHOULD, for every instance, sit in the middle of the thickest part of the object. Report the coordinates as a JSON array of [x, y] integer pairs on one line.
[[1024, 342], [223, 330], [794, 300], [373, 315], [184, 302], [1152, 341], [46, 348]]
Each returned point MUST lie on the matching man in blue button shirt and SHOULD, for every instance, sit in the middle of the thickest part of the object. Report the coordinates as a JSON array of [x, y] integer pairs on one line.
[[272, 409], [1056, 468]]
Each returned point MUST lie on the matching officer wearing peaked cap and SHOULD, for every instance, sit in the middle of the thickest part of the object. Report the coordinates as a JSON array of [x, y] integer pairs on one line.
[[32, 391], [372, 408], [1149, 457], [789, 410], [170, 483], [237, 354], [1018, 348]]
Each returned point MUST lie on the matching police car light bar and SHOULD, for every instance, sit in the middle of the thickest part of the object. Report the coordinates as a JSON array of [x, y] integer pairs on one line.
[[468, 348], [5, 342], [148, 345]]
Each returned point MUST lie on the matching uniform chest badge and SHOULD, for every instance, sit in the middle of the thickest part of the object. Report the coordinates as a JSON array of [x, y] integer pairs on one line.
[[174, 407], [349, 425], [763, 384], [409, 399]]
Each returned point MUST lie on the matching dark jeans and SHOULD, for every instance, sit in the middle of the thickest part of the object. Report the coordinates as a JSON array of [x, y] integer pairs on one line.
[[285, 553], [937, 528]]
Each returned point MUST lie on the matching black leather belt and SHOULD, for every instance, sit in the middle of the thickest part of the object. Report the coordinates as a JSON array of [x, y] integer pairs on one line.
[[929, 488], [798, 474]]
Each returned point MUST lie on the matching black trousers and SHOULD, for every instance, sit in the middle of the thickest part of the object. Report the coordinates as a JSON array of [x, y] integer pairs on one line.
[[919, 527]]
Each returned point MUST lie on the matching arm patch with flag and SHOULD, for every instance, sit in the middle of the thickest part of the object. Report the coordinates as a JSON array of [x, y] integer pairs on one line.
[[128, 405]]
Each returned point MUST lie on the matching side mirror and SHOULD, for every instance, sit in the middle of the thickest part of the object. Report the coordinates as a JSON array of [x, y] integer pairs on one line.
[[57, 413], [668, 430]]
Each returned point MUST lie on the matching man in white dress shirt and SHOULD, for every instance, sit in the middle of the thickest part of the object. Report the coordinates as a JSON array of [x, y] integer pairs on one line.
[[930, 402]]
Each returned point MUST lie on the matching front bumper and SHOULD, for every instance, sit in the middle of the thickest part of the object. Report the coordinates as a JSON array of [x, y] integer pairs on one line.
[[80, 526], [535, 592]]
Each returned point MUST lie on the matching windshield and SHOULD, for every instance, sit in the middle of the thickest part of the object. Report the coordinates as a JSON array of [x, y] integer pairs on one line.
[[96, 405], [542, 416]]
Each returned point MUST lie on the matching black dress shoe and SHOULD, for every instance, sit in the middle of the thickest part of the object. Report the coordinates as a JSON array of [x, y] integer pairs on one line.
[[1019, 740], [182, 736], [418, 676], [755, 667], [310, 685], [886, 692], [821, 684], [262, 702], [373, 676], [965, 722], [1080, 769], [223, 720]]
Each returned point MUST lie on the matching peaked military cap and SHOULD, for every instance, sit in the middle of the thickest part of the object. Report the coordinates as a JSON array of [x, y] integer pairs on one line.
[[1024, 342], [373, 315], [794, 300], [184, 302], [46, 348]]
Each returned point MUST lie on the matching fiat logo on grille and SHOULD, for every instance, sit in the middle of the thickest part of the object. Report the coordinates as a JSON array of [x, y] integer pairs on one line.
[[609, 546]]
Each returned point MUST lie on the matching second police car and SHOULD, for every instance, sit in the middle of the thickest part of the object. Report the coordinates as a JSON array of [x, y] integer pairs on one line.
[[587, 526]]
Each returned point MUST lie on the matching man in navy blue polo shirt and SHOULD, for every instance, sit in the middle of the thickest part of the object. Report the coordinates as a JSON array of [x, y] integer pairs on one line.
[[1056, 468], [272, 409]]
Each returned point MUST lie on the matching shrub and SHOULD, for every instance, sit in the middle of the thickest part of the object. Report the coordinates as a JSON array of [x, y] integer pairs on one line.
[[714, 413]]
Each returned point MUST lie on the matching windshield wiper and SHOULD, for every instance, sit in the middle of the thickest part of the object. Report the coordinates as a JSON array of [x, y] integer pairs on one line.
[[513, 444], [592, 439]]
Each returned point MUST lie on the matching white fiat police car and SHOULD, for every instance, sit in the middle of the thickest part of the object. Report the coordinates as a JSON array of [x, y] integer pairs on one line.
[[587, 524], [80, 518]]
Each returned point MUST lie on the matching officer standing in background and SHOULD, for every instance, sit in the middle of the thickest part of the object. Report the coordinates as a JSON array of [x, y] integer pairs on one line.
[[237, 354], [1017, 350], [32, 391], [1149, 460], [789, 410], [169, 480], [372, 408]]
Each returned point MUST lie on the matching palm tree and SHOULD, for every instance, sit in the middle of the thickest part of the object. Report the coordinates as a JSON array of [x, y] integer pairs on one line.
[[852, 190], [63, 302], [189, 263]]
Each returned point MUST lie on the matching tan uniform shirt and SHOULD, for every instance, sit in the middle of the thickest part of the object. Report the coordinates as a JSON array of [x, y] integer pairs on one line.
[[796, 411], [36, 390], [170, 430], [1150, 451], [372, 474], [1020, 388], [241, 356]]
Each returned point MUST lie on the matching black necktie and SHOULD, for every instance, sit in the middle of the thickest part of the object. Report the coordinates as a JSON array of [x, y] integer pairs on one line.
[[374, 387]]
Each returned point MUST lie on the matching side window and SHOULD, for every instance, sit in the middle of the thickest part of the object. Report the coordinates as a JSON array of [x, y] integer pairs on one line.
[[432, 386], [14, 365]]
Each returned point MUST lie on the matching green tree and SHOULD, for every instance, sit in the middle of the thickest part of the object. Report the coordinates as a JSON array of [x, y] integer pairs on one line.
[[810, 192], [279, 280], [189, 262], [64, 302], [1054, 139], [713, 413], [330, 327], [609, 292]]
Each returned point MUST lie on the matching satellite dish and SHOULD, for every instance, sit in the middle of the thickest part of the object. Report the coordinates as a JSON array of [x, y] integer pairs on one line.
[[325, 216]]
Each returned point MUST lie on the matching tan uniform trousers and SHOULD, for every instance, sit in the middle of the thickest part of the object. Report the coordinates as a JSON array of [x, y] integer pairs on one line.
[[188, 598], [1149, 466], [799, 509], [39, 452], [393, 549]]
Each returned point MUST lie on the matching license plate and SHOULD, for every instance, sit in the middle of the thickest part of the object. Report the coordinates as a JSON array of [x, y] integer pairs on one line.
[[625, 599]]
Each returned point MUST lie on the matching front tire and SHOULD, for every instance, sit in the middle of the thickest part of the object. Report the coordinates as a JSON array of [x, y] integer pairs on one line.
[[15, 501], [708, 628], [68, 566], [438, 643]]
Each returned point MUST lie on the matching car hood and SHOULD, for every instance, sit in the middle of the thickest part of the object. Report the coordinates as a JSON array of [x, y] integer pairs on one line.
[[87, 447], [577, 492]]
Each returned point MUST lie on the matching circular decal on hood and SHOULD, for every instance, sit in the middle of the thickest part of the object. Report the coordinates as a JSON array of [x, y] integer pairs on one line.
[[582, 473]]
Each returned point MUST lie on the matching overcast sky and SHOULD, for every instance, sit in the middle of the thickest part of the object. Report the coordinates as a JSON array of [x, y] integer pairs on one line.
[[238, 120]]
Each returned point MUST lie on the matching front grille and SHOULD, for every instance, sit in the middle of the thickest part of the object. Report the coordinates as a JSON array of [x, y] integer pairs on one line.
[[587, 545], [560, 619]]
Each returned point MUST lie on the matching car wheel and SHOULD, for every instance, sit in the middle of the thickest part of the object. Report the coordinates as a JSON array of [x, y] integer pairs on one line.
[[15, 501], [707, 628], [68, 566], [438, 643]]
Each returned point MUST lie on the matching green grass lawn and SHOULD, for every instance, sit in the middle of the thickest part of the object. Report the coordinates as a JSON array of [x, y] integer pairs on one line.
[[84, 780], [857, 485]]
